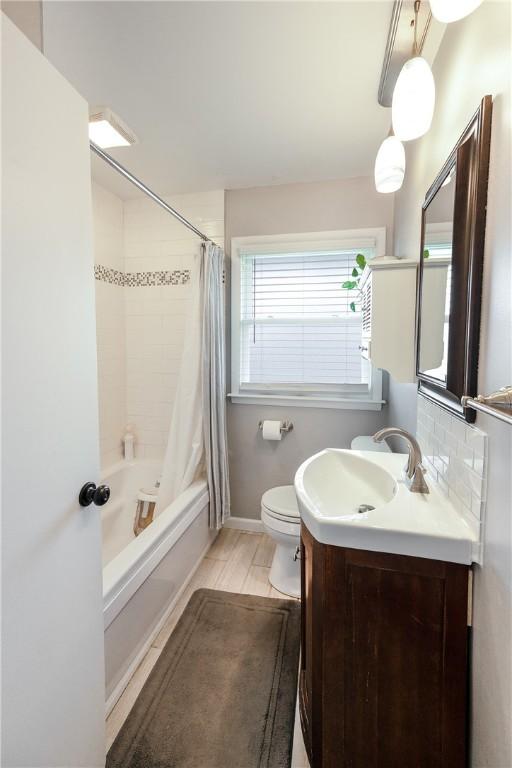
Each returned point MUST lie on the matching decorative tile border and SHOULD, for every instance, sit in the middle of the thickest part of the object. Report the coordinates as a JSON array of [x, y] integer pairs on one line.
[[108, 275], [141, 279], [160, 277]]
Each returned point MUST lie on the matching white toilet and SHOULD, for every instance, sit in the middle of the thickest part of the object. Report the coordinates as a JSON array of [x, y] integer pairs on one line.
[[365, 443], [281, 520]]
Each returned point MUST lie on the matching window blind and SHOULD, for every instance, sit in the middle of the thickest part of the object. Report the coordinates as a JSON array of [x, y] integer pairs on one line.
[[298, 331]]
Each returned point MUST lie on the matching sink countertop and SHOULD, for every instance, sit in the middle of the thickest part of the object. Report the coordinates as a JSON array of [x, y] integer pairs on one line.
[[403, 523]]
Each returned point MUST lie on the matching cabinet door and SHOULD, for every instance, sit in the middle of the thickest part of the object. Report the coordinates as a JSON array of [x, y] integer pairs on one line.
[[405, 661]]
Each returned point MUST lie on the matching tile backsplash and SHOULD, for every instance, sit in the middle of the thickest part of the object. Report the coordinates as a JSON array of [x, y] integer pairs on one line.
[[455, 455]]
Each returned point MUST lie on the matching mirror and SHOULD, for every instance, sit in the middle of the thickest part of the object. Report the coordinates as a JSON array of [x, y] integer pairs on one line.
[[450, 275], [436, 283]]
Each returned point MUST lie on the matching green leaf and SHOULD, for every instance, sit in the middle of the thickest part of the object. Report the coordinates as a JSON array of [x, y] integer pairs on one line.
[[426, 253], [361, 261], [355, 272], [352, 306], [349, 285]]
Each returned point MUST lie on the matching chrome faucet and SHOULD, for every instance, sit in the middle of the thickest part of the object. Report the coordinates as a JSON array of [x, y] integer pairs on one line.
[[413, 470]]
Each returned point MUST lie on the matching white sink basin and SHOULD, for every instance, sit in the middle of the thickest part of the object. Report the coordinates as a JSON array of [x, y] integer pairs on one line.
[[337, 483], [333, 485]]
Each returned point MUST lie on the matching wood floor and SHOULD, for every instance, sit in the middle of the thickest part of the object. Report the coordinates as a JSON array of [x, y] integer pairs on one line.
[[236, 562]]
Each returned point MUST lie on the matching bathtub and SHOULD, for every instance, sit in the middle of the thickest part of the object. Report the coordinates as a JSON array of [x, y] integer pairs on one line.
[[143, 576]]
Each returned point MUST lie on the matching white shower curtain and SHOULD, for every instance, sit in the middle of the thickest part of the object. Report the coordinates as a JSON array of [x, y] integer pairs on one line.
[[197, 436]]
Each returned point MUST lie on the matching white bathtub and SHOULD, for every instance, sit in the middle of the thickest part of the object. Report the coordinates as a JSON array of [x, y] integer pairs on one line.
[[143, 576]]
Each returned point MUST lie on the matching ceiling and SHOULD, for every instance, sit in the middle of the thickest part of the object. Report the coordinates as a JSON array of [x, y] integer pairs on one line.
[[229, 94]]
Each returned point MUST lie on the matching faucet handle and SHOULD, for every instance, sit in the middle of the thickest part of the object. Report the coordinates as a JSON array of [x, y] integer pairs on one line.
[[418, 483]]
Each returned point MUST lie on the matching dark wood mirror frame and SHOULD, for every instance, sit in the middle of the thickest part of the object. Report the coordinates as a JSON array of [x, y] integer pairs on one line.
[[471, 158]]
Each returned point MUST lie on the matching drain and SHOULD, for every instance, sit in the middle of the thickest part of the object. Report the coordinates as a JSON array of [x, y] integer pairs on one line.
[[364, 508]]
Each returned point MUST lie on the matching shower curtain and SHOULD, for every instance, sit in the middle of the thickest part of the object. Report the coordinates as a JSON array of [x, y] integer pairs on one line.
[[214, 384], [197, 438]]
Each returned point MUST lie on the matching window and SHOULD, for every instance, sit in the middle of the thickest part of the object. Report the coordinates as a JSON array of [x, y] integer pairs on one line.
[[295, 336]]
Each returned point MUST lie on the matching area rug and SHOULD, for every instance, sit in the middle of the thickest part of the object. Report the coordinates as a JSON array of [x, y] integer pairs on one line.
[[222, 693]]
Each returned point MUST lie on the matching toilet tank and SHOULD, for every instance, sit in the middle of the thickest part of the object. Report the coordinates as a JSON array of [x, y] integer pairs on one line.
[[365, 443]]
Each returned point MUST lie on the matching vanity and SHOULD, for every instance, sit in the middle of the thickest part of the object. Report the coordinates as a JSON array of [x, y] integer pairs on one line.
[[385, 599], [386, 554]]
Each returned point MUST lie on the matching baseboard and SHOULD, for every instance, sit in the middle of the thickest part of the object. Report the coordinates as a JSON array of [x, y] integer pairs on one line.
[[244, 524], [119, 689]]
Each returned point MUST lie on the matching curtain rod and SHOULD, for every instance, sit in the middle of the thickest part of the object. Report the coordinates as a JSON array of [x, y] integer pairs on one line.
[[137, 183]]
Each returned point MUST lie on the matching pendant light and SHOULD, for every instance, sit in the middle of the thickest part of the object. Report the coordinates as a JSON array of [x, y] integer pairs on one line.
[[414, 96], [447, 11], [390, 165]]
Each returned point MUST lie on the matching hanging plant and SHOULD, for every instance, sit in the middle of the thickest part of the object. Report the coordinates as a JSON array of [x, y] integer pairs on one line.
[[357, 271]]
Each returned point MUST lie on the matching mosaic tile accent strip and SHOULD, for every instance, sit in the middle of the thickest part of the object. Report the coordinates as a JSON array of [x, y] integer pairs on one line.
[[141, 279], [455, 454], [108, 275], [161, 277]]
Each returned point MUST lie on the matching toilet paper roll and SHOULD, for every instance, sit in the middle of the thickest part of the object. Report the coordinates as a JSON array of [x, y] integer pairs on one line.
[[272, 430]]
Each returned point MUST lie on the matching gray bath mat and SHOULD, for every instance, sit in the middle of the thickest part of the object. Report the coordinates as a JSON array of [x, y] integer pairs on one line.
[[222, 693]]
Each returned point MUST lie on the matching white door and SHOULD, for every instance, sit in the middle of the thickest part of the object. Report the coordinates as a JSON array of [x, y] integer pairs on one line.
[[52, 631]]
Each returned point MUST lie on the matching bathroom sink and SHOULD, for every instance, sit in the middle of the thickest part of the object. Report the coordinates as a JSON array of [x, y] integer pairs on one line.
[[344, 484], [358, 499]]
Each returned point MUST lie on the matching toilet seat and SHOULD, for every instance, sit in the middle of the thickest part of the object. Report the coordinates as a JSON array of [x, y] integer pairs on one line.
[[279, 526], [280, 503]]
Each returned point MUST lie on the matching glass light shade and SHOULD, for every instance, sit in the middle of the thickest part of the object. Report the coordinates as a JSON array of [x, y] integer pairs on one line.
[[390, 165], [452, 10], [413, 100]]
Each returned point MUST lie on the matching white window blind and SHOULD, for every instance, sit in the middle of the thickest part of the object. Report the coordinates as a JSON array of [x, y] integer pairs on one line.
[[297, 330]]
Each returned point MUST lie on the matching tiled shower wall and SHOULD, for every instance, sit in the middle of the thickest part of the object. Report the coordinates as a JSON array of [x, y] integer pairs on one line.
[[110, 324], [154, 283], [156, 316]]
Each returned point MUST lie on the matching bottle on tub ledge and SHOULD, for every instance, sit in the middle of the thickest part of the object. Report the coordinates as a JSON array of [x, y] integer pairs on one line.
[[129, 443]]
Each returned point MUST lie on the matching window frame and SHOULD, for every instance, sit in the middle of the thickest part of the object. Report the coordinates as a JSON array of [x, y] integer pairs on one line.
[[347, 395]]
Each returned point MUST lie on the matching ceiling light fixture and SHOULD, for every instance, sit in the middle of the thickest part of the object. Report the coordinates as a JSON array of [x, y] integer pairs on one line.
[[447, 11], [390, 165], [107, 130], [414, 95]]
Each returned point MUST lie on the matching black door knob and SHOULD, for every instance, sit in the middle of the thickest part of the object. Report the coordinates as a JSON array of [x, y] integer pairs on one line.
[[89, 494]]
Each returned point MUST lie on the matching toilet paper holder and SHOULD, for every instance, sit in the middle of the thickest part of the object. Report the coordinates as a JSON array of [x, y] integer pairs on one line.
[[286, 426]]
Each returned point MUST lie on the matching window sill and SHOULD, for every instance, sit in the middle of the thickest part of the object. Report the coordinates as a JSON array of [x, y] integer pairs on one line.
[[341, 403]]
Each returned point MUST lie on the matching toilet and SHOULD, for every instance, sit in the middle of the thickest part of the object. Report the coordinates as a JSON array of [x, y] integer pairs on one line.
[[365, 443], [281, 520]]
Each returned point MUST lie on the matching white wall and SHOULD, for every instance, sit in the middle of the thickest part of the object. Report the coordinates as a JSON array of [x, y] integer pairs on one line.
[[110, 324], [156, 315], [140, 327], [256, 465], [474, 60]]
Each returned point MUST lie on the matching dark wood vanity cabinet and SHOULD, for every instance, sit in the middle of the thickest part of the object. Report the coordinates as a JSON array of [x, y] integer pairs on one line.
[[383, 680]]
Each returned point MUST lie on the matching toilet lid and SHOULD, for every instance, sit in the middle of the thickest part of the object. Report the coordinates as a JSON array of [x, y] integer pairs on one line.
[[281, 502]]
